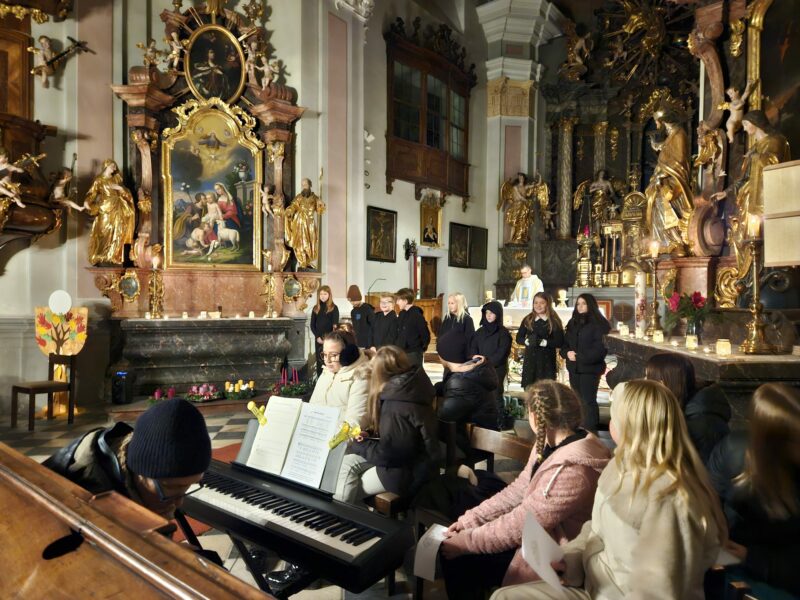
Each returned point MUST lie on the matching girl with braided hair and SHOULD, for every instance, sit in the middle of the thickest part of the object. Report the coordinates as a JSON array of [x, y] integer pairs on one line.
[[557, 486]]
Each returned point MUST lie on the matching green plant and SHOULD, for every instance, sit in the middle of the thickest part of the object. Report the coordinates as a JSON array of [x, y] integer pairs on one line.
[[514, 408]]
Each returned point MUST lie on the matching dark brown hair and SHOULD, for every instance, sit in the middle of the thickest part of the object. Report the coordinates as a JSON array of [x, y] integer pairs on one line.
[[406, 294], [555, 406], [388, 362], [675, 372], [552, 315]]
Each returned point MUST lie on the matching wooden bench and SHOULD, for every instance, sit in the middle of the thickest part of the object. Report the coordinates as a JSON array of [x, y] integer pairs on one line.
[[497, 442]]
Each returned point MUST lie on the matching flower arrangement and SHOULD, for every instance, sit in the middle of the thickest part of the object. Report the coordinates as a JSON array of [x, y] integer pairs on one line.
[[203, 393], [695, 308], [240, 390], [290, 385]]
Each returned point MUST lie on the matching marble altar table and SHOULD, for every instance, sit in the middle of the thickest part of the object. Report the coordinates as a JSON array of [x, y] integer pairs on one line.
[[738, 375]]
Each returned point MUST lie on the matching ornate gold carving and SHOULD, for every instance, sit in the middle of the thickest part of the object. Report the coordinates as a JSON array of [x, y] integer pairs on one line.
[[308, 286], [155, 294], [757, 11], [579, 48], [5, 210], [579, 148], [22, 11], [726, 292], [613, 142], [510, 98], [660, 98], [187, 110], [668, 283], [565, 124], [275, 150], [737, 37], [600, 128]]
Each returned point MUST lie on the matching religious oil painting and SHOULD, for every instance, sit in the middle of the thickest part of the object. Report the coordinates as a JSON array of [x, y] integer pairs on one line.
[[478, 241], [381, 234], [430, 223], [212, 166], [458, 256], [215, 64]]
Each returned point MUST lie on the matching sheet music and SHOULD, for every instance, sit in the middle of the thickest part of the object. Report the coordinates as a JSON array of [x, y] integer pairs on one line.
[[539, 550], [308, 451], [272, 440]]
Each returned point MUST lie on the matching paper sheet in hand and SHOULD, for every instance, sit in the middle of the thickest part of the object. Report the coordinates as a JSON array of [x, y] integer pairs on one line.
[[539, 550], [726, 559], [427, 549]]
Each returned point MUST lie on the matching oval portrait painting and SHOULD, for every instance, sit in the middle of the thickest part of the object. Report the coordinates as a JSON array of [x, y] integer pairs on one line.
[[215, 64]]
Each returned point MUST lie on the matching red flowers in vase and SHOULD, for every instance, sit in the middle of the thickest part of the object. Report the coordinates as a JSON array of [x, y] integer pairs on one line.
[[695, 308]]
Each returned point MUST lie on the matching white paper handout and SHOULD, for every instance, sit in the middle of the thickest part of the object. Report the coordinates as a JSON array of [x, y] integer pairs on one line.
[[427, 549], [308, 451], [272, 440], [726, 559], [539, 550]]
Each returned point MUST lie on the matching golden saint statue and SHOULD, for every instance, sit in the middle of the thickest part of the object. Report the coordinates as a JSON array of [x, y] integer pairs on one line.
[[302, 229], [518, 196], [602, 206], [115, 216], [669, 193], [768, 148]]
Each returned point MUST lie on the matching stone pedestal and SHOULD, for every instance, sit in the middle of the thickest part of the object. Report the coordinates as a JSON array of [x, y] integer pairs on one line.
[[185, 352], [688, 275], [738, 375]]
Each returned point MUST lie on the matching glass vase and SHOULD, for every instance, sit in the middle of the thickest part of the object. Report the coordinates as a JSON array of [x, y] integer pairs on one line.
[[692, 337]]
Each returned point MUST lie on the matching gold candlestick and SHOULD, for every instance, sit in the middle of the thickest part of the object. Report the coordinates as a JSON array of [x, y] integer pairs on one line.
[[655, 318], [756, 342], [155, 291]]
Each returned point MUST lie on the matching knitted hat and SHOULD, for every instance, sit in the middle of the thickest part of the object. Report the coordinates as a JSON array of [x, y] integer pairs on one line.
[[349, 355], [354, 294], [452, 347], [170, 440]]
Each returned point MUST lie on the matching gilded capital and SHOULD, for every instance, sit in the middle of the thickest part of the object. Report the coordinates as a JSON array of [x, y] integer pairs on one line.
[[600, 128], [275, 151], [510, 98], [565, 124]]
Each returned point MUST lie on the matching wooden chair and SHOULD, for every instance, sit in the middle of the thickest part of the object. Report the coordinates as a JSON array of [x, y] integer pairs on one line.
[[49, 387], [715, 587], [496, 442]]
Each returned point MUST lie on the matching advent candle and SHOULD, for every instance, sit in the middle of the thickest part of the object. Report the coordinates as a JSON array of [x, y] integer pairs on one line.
[[723, 347], [171, 393], [157, 394]]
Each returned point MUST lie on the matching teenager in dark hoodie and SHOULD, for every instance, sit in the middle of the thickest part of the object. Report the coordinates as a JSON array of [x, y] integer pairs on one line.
[[542, 334], [413, 335], [324, 319], [585, 352], [493, 341], [384, 324], [361, 316]]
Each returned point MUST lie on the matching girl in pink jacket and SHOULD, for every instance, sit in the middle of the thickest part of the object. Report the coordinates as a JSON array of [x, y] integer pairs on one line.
[[557, 486]]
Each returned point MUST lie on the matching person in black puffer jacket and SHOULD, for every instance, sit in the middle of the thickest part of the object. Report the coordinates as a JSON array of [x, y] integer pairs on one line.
[[324, 319], [469, 389], [585, 351], [493, 342], [707, 410], [399, 450], [413, 335], [384, 324], [757, 475], [542, 334]]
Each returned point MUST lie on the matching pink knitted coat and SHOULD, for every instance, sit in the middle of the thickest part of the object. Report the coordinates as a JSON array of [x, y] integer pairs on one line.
[[560, 495]]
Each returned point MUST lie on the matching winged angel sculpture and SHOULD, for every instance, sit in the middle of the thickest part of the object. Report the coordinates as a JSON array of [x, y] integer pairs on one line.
[[519, 198]]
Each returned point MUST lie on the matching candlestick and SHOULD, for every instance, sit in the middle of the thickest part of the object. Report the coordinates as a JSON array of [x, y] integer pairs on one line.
[[655, 318], [756, 342]]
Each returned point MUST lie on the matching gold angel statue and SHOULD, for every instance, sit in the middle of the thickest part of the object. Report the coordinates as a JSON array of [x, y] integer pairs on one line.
[[517, 194], [301, 226], [601, 193], [114, 214]]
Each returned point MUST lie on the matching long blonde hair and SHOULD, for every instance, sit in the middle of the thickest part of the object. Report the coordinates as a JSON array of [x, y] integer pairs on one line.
[[328, 302], [388, 362], [654, 441], [771, 460], [461, 306], [555, 406]]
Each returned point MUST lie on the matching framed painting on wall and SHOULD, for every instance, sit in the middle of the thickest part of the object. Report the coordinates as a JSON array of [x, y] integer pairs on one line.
[[458, 255], [430, 223], [212, 172], [478, 239], [214, 64], [381, 234]]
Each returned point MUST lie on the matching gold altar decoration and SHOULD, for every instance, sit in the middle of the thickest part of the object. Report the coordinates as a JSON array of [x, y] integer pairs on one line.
[[155, 293], [613, 142], [20, 12], [214, 66], [757, 10], [268, 283], [601, 192], [302, 227], [655, 319], [518, 195], [669, 192], [217, 139], [633, 210], [509, 97], [583, 277], [755, 341], [579, 48], [114, 214], [737, 37]]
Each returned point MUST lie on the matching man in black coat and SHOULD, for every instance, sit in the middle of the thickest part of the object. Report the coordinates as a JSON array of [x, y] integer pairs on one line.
[[384, 324], [493, 342], [361, 316], [413, 334]]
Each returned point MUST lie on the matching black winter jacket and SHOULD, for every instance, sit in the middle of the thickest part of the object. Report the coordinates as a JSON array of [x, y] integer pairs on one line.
[[406, 453], [413, 334], [492, 340], [323, 321], [707, 414], [384, 329], [471, 397], [586, 340], [465, 326], [539, 362], [773, 545], [362, 318]]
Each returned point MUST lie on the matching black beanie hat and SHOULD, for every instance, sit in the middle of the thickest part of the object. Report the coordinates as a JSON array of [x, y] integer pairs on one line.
[[170, 440], [349, 355], [452, 347]]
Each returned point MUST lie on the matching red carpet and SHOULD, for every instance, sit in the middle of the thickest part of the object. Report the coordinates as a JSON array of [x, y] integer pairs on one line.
[[225, 454]]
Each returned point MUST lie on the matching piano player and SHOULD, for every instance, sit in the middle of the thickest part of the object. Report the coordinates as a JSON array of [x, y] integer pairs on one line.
[[153, 464]]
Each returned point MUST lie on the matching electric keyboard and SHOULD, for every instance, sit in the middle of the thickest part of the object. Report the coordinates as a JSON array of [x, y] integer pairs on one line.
[[341, 543]]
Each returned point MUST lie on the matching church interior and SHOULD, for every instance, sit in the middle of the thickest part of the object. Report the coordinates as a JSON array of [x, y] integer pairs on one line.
[[272, 207]]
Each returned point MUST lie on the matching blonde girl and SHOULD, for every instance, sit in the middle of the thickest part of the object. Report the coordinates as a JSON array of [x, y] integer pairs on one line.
[[457, 317]]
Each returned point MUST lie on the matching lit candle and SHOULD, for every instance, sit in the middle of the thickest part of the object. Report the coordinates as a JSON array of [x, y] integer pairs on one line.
[[624, 330], [706, 350], [753, 226], [269, 267], [251, 315], [691, 342], [147, 315], [674, 343], [639, 333], [654, 248], [166, 317], [203, 314], [658, 337], [723, 347], [185, 315], [238, 316]]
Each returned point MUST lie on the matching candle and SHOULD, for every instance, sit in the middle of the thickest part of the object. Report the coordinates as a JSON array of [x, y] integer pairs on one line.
[[166, 317], [691, 342], [489, 294], [171, 393], [147, 315], [238, 316], [237, 388], [674, 343], [251, 315], [655, 246], [157, 394], [185, 315], [269, 267], [203, 314], [639, 333], [753, 226], [658, 337], [624, 330], [723, 347], [251, 384]]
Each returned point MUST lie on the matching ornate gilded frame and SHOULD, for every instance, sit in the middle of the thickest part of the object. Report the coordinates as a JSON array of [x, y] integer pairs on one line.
[[757, 11], [430, 208], [216, 29], [242, 126]]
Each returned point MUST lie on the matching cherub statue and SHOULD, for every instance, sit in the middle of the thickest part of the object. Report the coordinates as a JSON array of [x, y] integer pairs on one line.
[[151, 54], [251, 64], [60, 194], [8, 188], [270, 68], [579, 48], [42, 58], [710, 149], [736, 106], [177, 48], [542, 192]]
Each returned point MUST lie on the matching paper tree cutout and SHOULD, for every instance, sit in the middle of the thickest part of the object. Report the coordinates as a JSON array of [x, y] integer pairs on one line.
[[61, 333]]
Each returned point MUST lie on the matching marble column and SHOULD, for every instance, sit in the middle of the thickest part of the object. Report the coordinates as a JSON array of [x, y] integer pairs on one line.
[[565, 127], [600, 145]]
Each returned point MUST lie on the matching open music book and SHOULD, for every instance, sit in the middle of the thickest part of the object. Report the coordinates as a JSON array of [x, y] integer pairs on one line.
[[294, 442]]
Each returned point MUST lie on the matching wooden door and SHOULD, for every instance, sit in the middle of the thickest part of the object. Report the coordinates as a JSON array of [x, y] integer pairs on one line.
[[428, 277]]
